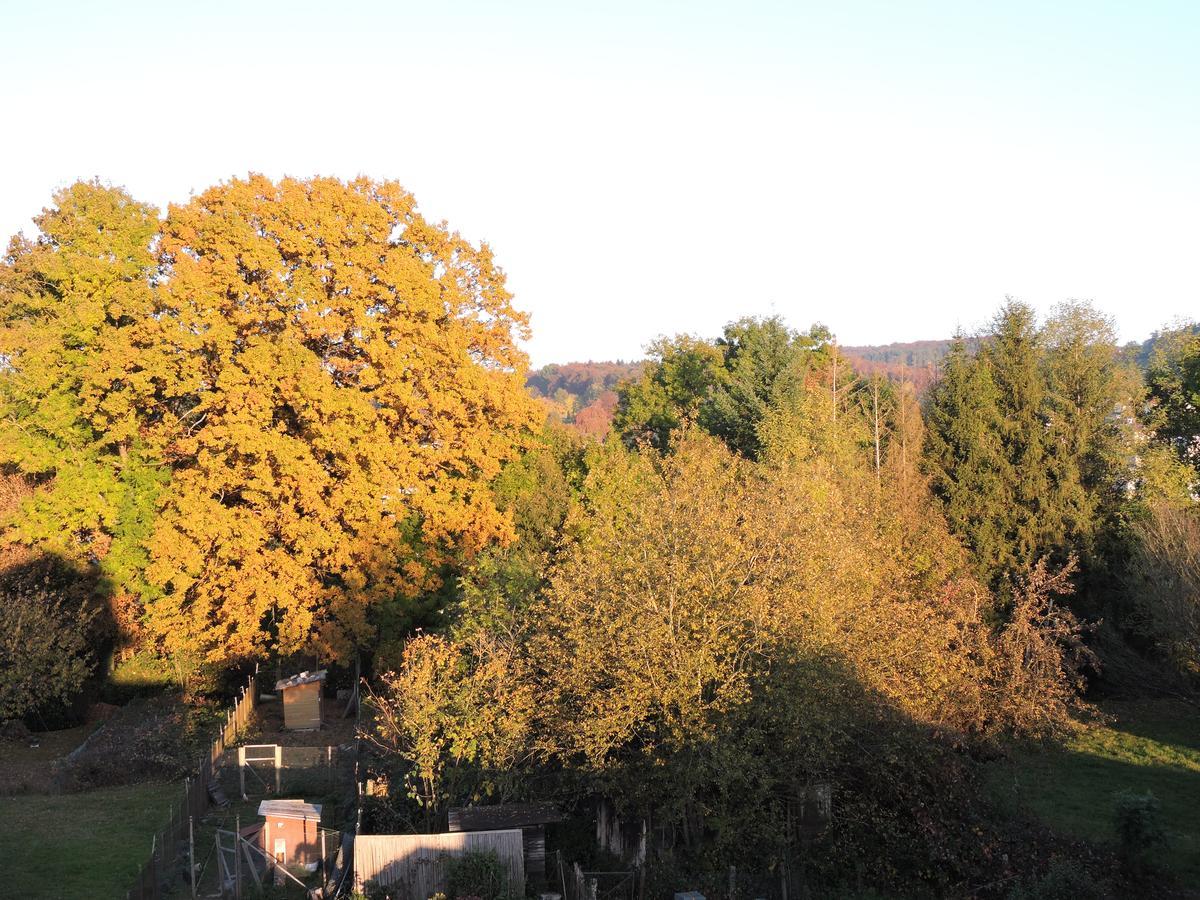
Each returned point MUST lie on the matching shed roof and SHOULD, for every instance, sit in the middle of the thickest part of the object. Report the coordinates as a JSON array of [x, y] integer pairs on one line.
[[302, 678], [507, 815], [289, 809]]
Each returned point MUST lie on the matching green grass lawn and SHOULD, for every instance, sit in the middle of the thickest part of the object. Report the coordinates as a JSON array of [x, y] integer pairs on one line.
[[1149, 746], [89, 845]]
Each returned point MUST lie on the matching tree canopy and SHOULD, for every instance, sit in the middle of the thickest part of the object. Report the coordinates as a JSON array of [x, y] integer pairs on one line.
[[292, 396]]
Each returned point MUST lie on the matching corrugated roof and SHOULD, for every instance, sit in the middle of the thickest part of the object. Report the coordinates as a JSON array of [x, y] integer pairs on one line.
[[289, 809], [302, 678], [508, 815]]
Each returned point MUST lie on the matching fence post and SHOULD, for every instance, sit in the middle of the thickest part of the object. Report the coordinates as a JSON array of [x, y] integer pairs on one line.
[[237, 858], [155, 876], [278, 764], [242, 770], [192, 854]]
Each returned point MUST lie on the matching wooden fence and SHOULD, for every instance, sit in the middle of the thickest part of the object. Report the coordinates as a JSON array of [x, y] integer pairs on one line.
[[169, 849], [237, 720], [414, 865]]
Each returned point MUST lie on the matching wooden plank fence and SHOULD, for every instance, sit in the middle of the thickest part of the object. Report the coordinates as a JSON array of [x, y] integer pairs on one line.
[[169, 850], [415, 864]]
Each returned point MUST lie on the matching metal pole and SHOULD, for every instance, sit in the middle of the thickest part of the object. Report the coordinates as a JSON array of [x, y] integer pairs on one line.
[[192, 853], [237, 857]]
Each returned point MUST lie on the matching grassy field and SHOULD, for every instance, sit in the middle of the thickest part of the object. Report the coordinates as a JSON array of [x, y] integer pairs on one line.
[[69, 846], [1149, 746]]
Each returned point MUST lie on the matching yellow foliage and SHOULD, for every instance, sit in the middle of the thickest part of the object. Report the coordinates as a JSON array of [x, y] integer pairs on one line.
[[450, 703], [335, 382]]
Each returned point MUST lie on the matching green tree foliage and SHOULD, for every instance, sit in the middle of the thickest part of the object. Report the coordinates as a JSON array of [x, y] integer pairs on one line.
[[1029, 519], [729, 386], [451, 711], [1086, 391], [965, 460], [681, 375], [478, 873], [1174, 380], [1137, 819], [539, 491], [73, 307], [1036, 448], [765, 364], [723, 631], [1163, 580], [45, 646]]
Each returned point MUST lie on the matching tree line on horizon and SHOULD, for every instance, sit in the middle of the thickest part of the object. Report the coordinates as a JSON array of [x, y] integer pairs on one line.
[[293, 417]]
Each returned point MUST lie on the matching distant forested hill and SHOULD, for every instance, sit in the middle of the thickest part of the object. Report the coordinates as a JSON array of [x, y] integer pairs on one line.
[[583, 395], [915, 361]]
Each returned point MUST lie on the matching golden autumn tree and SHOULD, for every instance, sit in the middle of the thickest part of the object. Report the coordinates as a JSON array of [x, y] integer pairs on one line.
[[339, 382], [456, 716]]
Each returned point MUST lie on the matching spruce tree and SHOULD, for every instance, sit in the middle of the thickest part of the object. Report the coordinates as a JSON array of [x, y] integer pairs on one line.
[[1032, 522], [965, 461]]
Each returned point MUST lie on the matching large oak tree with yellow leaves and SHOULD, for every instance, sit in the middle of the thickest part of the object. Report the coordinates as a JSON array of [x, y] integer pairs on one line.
[[339, 383], [264, 415]]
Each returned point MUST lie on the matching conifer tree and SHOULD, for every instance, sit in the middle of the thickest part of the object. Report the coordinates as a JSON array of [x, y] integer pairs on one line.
[[1088, 452], [965, 461], [1031, 522]]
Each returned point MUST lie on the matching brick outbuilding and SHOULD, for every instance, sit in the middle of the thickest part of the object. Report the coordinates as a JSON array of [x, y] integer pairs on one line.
[[291, 831]]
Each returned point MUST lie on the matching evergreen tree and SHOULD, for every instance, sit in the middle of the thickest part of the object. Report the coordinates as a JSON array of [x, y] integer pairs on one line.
[[1031, 522], [965, 460], [728, 386], [1087, 450]]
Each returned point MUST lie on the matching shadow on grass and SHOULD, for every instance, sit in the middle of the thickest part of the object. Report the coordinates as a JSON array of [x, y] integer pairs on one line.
[[1071, 790]]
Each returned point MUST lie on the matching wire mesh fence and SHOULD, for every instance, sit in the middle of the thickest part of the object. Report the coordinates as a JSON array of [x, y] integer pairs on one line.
[[170, 858], [257, 771]]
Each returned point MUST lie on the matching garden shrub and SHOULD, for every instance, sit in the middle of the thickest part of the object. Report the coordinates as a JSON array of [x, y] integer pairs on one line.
[[1138, 822], [477, 874]]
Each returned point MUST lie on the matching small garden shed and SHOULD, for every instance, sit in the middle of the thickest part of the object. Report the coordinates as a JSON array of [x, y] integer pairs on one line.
[[302, 704], [291, 831], [531, 818]]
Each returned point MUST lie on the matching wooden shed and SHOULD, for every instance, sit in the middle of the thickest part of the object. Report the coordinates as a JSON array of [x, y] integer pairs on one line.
[[291, 831], [302, 703], [531, 818]]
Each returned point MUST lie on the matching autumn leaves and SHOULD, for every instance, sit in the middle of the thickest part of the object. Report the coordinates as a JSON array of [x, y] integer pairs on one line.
[[301, 389]]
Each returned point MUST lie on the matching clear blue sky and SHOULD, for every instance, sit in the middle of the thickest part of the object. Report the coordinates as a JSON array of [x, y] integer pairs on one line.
[[892, 169]]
